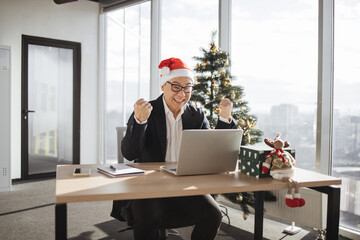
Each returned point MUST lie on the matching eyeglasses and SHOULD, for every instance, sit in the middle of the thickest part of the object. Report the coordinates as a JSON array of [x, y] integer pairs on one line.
[[178, 88]]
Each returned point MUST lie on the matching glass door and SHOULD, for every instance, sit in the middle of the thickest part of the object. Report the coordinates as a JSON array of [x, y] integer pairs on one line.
[[50, 93]]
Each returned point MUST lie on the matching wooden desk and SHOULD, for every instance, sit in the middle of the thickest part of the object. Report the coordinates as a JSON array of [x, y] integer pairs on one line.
[[157, 183]]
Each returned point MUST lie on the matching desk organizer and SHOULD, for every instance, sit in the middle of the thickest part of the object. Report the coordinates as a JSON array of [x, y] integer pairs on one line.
[[251, 159]]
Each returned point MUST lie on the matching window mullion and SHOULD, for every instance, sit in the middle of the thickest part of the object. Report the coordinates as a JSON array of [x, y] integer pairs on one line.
[[155, 48], [102, 88], [124, 102], [225, 25], [325, 87]]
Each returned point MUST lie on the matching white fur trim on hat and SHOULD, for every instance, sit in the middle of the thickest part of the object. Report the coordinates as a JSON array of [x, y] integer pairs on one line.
[[167, 75]]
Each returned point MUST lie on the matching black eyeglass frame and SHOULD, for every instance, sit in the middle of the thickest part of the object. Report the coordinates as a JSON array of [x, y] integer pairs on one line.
[[180, 87]]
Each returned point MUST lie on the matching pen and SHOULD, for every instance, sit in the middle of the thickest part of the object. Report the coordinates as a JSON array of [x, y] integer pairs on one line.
[[112, 167]]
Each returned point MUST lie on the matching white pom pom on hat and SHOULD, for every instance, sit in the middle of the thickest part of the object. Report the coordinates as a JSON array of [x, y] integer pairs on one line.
[[165, 71], [174, 67]]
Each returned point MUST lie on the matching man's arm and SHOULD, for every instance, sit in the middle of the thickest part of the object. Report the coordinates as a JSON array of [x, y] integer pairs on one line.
[[133, 143]]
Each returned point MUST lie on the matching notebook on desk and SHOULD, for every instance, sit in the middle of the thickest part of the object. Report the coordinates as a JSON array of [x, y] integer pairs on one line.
[[120, 170], [207, 151]]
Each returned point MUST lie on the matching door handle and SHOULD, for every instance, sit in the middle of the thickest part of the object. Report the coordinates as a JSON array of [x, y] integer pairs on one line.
[[28, 111]]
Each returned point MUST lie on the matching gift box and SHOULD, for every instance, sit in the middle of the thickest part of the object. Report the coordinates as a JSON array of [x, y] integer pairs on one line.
[[251, 159]]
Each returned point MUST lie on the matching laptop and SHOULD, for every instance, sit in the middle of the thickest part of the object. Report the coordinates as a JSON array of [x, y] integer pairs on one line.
[[205, 151]]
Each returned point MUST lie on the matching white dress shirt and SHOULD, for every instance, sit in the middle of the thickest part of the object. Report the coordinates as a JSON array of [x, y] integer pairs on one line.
[[173, 133]]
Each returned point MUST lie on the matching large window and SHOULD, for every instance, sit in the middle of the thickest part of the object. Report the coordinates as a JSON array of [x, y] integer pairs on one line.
[[346, 137], [274, 53], [127, 67], [186, 26], [274, 57]]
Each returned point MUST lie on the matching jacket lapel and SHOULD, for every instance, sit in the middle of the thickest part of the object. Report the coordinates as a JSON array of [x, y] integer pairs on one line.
[[160, 122], [188, 118]]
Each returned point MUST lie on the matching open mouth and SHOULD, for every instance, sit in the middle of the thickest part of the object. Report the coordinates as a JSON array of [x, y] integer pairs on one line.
[[178, 100]]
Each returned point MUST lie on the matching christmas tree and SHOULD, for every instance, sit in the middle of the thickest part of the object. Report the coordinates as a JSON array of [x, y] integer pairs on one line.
[[213, 82]]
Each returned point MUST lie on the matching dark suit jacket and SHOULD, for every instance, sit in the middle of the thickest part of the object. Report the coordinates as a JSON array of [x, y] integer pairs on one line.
[[147, 142]]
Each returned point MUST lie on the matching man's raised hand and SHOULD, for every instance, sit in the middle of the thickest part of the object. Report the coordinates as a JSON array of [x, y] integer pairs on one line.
[[142, 110], [226, 108]]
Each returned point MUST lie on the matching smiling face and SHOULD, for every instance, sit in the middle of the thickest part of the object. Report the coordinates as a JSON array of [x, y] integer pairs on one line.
[[176, 100]]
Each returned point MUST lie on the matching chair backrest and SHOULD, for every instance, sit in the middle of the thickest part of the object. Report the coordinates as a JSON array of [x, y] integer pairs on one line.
[[120, 135]]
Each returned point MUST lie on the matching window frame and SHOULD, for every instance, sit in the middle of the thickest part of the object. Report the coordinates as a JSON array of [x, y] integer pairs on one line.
[[324, 125]]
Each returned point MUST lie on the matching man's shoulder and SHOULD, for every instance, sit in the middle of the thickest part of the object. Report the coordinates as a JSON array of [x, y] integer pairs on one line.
[[157, 101]]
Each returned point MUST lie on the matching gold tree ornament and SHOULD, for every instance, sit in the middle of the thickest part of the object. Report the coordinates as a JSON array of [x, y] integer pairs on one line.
[[213, 47], [222, 73], [197, 66], [241, 123], [239, 198], [232, 96], [245, 216], [208, 93], [217, 110], [227, 82], [227, 63], [204, 64]]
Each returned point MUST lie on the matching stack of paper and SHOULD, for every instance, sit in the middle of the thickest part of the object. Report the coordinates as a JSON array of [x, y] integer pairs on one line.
[[119, 170]]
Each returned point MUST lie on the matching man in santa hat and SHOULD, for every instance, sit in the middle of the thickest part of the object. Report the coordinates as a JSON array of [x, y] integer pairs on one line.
[[153, 135]]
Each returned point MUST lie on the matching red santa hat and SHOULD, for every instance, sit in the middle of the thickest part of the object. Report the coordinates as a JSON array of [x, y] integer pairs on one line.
[[174, 67]]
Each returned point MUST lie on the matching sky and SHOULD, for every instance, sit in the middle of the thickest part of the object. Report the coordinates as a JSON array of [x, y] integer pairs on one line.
[[274, 49]]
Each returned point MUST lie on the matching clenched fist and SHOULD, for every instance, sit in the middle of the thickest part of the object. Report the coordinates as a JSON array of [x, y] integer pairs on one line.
[[226, 108], [142, 110]]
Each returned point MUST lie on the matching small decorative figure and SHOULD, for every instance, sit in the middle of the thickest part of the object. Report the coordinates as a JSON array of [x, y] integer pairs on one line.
[[281, 163]]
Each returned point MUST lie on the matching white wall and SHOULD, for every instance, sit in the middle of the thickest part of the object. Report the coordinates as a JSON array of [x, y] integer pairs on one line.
[[75, 21]]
